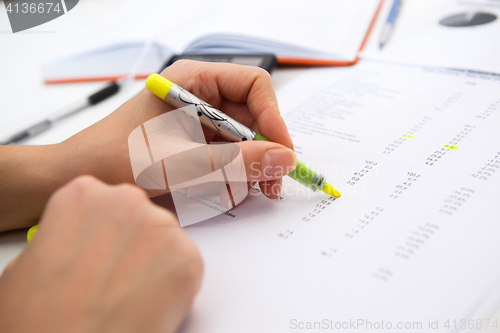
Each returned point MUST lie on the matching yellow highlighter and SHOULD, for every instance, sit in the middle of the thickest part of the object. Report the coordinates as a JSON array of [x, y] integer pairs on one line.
[[229, 128]]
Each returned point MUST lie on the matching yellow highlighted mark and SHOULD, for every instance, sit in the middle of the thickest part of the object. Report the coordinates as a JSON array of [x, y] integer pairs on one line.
[[408, 136], [450, 147], [328, 189]]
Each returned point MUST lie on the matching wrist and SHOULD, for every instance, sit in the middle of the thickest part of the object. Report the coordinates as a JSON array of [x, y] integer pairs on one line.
[[99, 152]]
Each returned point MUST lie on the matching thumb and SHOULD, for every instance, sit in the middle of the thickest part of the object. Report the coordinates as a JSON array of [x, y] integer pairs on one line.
[[266, 160]]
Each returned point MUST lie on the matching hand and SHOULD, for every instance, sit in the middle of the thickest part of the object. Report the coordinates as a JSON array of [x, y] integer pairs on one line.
[[30, 174], [104, 259], [243, 92]]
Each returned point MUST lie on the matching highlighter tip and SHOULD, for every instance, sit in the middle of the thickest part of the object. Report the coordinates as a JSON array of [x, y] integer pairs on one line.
[[328, 189]]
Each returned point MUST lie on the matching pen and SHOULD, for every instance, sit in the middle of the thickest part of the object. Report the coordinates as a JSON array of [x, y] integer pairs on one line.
[[66, 112], [389, 23], [229, 128]]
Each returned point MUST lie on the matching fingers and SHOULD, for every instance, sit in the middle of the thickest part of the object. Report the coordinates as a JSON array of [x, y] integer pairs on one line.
[[272, 188], [239, 192], [215, 83], [262, 161], [86, 210], [105, 245], [266, 160]]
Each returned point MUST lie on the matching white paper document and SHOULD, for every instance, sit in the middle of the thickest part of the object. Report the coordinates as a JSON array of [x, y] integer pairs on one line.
[[453, 34], [412, 244]]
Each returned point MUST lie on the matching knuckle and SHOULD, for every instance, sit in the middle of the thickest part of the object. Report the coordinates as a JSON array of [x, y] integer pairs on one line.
[[261, 82], [76, 189], [261, 73], [82, 184]]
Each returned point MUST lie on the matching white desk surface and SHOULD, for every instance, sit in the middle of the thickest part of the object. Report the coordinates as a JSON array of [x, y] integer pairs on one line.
[[22, 54]]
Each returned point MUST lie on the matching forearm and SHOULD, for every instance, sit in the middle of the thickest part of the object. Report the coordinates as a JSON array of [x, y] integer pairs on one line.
[[28, 176]]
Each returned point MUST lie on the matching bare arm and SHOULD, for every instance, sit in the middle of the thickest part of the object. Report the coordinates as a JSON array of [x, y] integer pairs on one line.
[[30, 174]]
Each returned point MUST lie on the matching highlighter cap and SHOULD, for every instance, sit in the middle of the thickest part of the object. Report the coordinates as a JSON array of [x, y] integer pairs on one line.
[[31, 233], [158, 85]]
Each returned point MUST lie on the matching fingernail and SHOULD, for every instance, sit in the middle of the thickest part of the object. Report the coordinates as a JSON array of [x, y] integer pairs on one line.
[[279, 162]]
